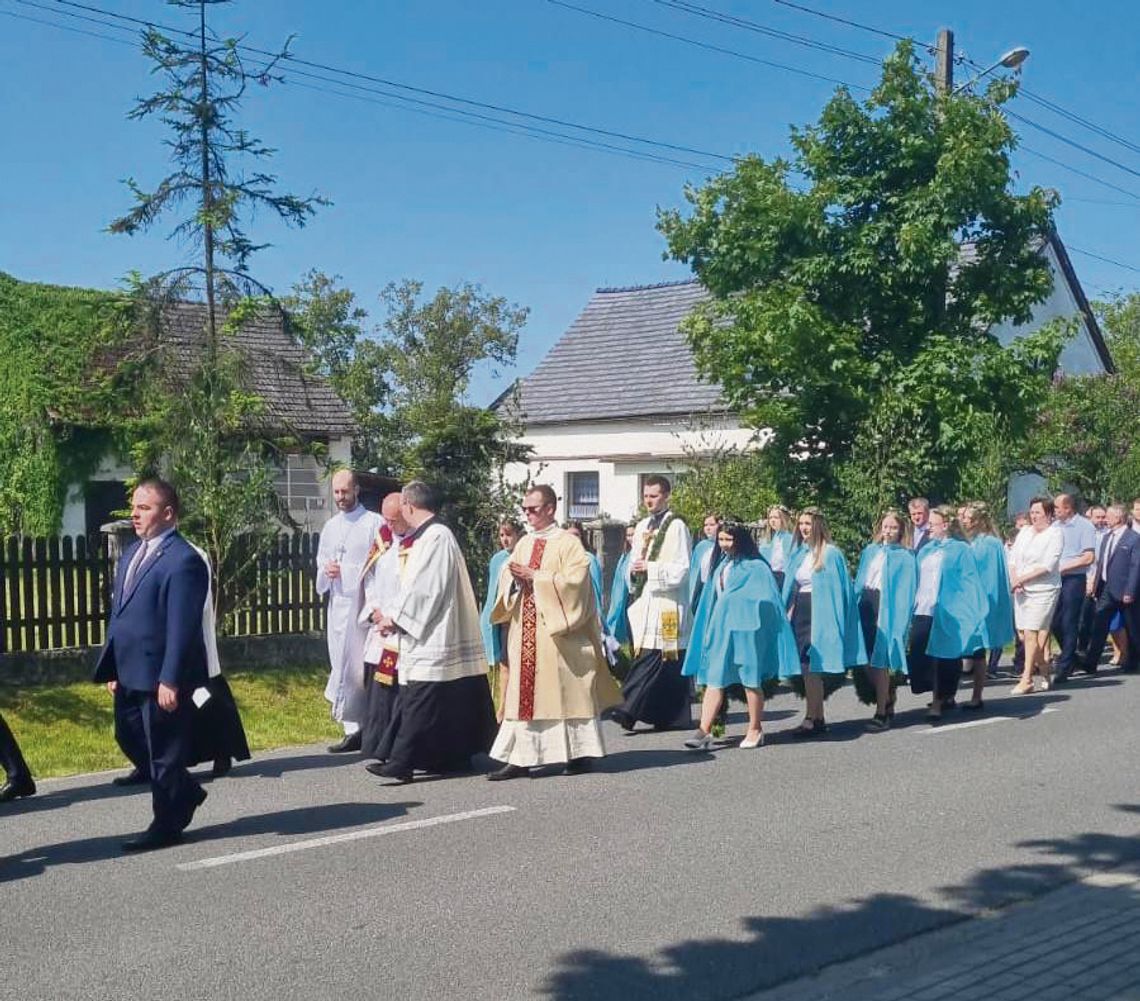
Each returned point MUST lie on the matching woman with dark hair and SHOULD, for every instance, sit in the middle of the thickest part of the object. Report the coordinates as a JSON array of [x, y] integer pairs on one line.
[[884, 588], [825, 617], [1035, 578], [779, 540], [740, 635], [949, 608], [997, 627]]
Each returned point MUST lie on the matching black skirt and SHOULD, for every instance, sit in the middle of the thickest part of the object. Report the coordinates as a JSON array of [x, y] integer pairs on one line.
[[656, 692], [801, 624], [216, 731], [930, 674], [440, 725], [779, 575], [381, 716], [869, 618]]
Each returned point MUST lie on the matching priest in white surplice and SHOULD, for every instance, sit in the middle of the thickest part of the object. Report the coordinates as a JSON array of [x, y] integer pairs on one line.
[[345, 543], [556, 679], [446, 712]]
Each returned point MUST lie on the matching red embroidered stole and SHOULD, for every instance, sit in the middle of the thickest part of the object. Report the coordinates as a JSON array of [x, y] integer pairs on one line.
[[386, 672], [529, 659], [380, 545]]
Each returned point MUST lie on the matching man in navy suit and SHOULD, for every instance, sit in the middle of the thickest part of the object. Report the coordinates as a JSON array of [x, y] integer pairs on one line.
[[154, 658], [919, 510], [1117, 588]]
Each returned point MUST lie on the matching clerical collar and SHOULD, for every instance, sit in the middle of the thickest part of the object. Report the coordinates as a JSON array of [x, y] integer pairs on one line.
[[546, 533], [416, 533], [656, 519], [356, 512]]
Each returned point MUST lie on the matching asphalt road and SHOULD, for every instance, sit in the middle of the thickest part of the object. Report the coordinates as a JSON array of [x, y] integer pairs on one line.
[[664, 875]]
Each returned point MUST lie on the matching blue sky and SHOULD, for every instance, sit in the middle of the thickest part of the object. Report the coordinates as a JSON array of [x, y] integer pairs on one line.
[[540, 223]]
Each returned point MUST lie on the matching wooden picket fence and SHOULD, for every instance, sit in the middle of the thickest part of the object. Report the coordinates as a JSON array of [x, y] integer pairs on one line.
[[55, 593]]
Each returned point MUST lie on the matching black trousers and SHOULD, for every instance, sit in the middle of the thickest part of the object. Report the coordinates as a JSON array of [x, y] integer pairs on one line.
[[1106, 608], [1067, 620], [160, 744], [11, 758], [930, 674]]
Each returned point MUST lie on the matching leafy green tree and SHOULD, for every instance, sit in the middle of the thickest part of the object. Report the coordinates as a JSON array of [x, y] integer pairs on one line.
[[1087, 435], [724, 480], [205, 433], [845, 316]]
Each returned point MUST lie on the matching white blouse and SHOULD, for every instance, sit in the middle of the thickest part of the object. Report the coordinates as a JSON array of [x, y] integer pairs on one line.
[[929, 581], [1034, 550], [804, 572], [776, 560], [874, 580]]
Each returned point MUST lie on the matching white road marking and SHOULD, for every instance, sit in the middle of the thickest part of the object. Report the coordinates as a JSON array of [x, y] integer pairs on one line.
[[334, 839], [985, 722]]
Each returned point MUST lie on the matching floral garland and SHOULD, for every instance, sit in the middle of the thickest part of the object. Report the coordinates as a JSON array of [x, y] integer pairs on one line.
[[640, 578]]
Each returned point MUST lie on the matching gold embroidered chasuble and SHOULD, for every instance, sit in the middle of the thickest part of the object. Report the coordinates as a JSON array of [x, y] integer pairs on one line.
[[554, 640]]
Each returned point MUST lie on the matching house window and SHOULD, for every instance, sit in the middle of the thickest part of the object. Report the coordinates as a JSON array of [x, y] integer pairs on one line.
[[582, 491]]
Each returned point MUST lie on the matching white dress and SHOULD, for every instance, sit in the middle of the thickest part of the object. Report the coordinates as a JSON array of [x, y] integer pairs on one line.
[[1033, 605]]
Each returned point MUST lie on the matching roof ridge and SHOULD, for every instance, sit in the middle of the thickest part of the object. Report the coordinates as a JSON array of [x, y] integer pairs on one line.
[[642, 288]]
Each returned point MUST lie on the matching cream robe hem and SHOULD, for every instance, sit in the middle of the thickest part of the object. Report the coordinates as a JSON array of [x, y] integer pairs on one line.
[[548, 742]]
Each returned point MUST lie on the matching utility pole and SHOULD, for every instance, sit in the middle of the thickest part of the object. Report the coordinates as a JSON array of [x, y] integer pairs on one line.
[[944, 61]]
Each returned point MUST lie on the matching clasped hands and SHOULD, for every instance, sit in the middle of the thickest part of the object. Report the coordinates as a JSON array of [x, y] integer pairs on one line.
[[523, 575], [384, 624]]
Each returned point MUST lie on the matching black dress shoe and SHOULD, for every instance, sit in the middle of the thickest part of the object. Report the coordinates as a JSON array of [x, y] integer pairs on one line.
[[623, 719], [346, 745], [133, 778], [17, 788], [509, 772], [578, 766], [1090, 668], [390, 771], [152, 840], [1062, 677], [222, 767]]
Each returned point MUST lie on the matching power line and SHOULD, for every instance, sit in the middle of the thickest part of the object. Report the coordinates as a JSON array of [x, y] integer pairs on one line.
[[404, 102], [851, 24], [1076, 170], [1072, 142], [427, 92], [762, 29], [703, 45], [1098, 257], [66, 27]]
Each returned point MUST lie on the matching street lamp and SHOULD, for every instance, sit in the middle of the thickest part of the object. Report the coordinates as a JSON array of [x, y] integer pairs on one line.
[[1011, 60]]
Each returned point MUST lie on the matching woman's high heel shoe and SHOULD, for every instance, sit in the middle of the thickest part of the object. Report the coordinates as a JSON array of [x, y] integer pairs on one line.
[[757, 742], [699, 741]]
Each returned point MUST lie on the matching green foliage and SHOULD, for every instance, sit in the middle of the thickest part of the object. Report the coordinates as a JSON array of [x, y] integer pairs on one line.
[[844, 316], [1087, 435], [728, 481], [64, 386]]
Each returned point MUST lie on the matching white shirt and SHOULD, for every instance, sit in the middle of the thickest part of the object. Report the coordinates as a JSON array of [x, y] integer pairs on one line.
[[777, 560], [874, 579], [1034, 550], [1113, 541], [804, 572], [929, 581]]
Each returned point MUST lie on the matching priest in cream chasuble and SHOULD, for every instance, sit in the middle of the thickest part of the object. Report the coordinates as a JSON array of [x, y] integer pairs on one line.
[[557, 680], [655, 691]]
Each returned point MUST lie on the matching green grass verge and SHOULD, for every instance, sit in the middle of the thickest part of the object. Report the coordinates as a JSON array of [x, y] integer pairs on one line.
[[69, 729]]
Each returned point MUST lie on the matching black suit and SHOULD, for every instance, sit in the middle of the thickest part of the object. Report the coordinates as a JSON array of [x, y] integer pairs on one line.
[[154, 637], [11, 760], [1122, 580]]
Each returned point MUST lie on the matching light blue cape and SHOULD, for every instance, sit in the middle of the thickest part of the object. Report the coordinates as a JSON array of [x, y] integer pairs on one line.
[[789, 546], [695, 583], [596, 580], [961, 606], [997, 627], [896, 603], [836, 637], [741, 635], [492, 635], [617, 622]]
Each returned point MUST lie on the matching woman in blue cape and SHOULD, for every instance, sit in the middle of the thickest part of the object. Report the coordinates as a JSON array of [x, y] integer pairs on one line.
[[578, 530], [701, 560], [740, 635], [884, 588], [997, 627], [824, 615], [509, 533], [617, 621], [780, 540], [949, 609]]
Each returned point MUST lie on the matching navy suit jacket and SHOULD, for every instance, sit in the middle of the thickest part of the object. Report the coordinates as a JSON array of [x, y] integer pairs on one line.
[[1123, 577], [154, 633]]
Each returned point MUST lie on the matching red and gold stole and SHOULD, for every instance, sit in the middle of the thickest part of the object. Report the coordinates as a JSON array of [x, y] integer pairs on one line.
[[386, 672], [380, 545], [529, 657]]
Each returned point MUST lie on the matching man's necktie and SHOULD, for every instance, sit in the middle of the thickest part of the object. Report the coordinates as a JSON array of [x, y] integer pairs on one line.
[[134, 568]]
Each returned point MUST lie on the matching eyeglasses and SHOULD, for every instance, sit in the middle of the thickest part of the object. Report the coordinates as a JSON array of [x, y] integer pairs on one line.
[[532, 508]]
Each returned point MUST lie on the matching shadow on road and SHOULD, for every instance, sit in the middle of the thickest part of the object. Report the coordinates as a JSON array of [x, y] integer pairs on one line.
[[304, 820], [777, 949]]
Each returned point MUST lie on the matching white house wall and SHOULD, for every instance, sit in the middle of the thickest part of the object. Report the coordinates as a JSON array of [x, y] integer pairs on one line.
[[620, 452], [1079, 357]]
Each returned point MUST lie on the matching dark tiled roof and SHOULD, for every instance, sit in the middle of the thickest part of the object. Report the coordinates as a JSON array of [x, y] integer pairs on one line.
[[624, 356], [273, 367]]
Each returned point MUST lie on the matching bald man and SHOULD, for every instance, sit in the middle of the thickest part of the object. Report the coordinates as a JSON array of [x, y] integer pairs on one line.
[[341, 558]]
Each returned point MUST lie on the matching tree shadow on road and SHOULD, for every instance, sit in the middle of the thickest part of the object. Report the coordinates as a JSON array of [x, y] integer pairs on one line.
[[286, 823], [778, 949]]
